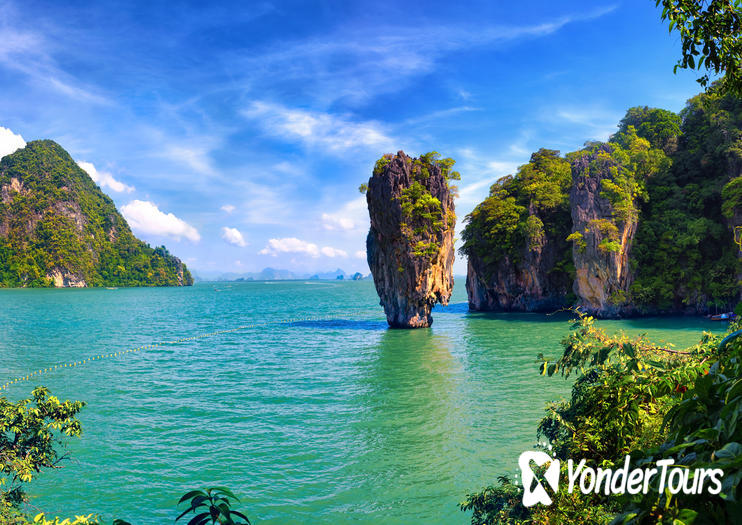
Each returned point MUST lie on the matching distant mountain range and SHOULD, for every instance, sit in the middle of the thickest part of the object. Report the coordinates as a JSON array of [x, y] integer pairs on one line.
[[273, 274]]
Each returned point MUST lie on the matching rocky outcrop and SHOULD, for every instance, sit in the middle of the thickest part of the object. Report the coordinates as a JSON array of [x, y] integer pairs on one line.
[[530, 285], [602, 238], [410, 243]]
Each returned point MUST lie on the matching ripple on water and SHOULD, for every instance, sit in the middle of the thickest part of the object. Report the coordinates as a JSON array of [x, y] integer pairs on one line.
[[324, 421]]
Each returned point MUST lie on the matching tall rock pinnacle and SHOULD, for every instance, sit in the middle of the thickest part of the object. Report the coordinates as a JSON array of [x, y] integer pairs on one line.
[[410, 244]]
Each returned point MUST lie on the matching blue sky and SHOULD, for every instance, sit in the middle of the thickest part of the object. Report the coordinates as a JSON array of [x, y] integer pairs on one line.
[[237, 135]]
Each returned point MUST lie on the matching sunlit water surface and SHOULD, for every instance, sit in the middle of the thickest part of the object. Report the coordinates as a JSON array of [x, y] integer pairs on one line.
[[326, 421]]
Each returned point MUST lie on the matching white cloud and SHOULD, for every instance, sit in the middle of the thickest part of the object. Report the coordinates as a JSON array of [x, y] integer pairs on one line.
[[294, 245], [29, 54], [195, 157], [233, 236], [104, 179], [328, 251], [356, 64], [595, 122], [336, 133], [335, 222], [10, 142], [290, 245], [350, 217], [146, 217], [228, 208], [360, 254]]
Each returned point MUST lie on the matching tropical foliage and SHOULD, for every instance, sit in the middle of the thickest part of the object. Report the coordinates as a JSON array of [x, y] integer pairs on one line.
[[522, 212], [676, 176], [53, 218], [650, 402], [711, 37], [684, 252], [424, 219], [212, 506]]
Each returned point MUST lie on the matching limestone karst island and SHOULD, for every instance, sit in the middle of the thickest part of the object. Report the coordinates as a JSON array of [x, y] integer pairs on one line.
[[374, 263]]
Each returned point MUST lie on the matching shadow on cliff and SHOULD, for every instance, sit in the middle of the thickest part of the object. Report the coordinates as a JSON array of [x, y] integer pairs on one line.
[[342, 324]]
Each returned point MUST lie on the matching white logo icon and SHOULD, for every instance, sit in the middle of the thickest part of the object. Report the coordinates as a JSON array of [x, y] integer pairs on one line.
[[538, 495]]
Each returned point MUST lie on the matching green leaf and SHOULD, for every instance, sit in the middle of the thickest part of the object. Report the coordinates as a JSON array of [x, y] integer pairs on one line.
[[734, 391], [200, 519], [226, 492], [730, 450], [191, 494]]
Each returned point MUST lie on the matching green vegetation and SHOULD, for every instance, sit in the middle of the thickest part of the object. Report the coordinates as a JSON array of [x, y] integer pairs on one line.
[[711, 37], [423, 215], [676, 176], [424, 219], [29, 430], [522, 212], [684, 253], [54, 219], [633, 397], [212, 506]]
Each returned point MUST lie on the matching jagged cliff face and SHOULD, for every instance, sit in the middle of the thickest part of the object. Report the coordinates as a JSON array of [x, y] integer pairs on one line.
[[601, 256], [58, 229], [529, 285], [515, 241], [651, 230], [410, 243]]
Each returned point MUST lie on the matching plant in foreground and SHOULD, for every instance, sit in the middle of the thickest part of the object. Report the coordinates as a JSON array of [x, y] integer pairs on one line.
[[212, 506]]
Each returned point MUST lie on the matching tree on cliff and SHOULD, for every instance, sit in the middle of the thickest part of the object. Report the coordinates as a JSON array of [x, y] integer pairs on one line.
[[711, 36]]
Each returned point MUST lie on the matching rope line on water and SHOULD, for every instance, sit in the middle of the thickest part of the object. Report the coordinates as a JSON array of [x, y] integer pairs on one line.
[[72, 364]]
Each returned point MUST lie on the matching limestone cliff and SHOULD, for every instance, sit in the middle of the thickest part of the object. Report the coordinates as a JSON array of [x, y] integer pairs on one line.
[[654, 215], [603, 237], [529, 285], [410, 243], [515, 241], [57, 228]]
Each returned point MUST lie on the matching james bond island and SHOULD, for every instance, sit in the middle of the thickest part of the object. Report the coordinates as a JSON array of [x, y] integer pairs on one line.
[[410, 244]]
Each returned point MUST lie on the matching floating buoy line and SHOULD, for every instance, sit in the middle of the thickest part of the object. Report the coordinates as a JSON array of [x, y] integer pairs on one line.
[[81, 362]]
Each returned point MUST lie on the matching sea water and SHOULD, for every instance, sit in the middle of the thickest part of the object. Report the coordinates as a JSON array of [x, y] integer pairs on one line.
[[333, 419]]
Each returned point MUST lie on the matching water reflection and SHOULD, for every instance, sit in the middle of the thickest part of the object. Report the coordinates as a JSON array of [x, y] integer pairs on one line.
[[409, 428]]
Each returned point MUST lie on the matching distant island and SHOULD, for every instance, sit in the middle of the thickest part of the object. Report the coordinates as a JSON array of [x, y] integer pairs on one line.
[[58, 229], [273, 274]]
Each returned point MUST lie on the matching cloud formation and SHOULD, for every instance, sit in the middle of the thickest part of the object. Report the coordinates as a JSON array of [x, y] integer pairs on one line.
[[328, 251], [336, 133], [146, 217], [228, 208], [294, 245], [233, 236], [10, 142], [352, 216], [104, 179], [356, 64]]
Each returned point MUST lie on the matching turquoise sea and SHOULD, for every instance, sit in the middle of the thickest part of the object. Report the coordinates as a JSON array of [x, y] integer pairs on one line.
[[331, 420]]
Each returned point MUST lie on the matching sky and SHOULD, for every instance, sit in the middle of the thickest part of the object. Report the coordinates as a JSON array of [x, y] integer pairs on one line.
[[237, 134]]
